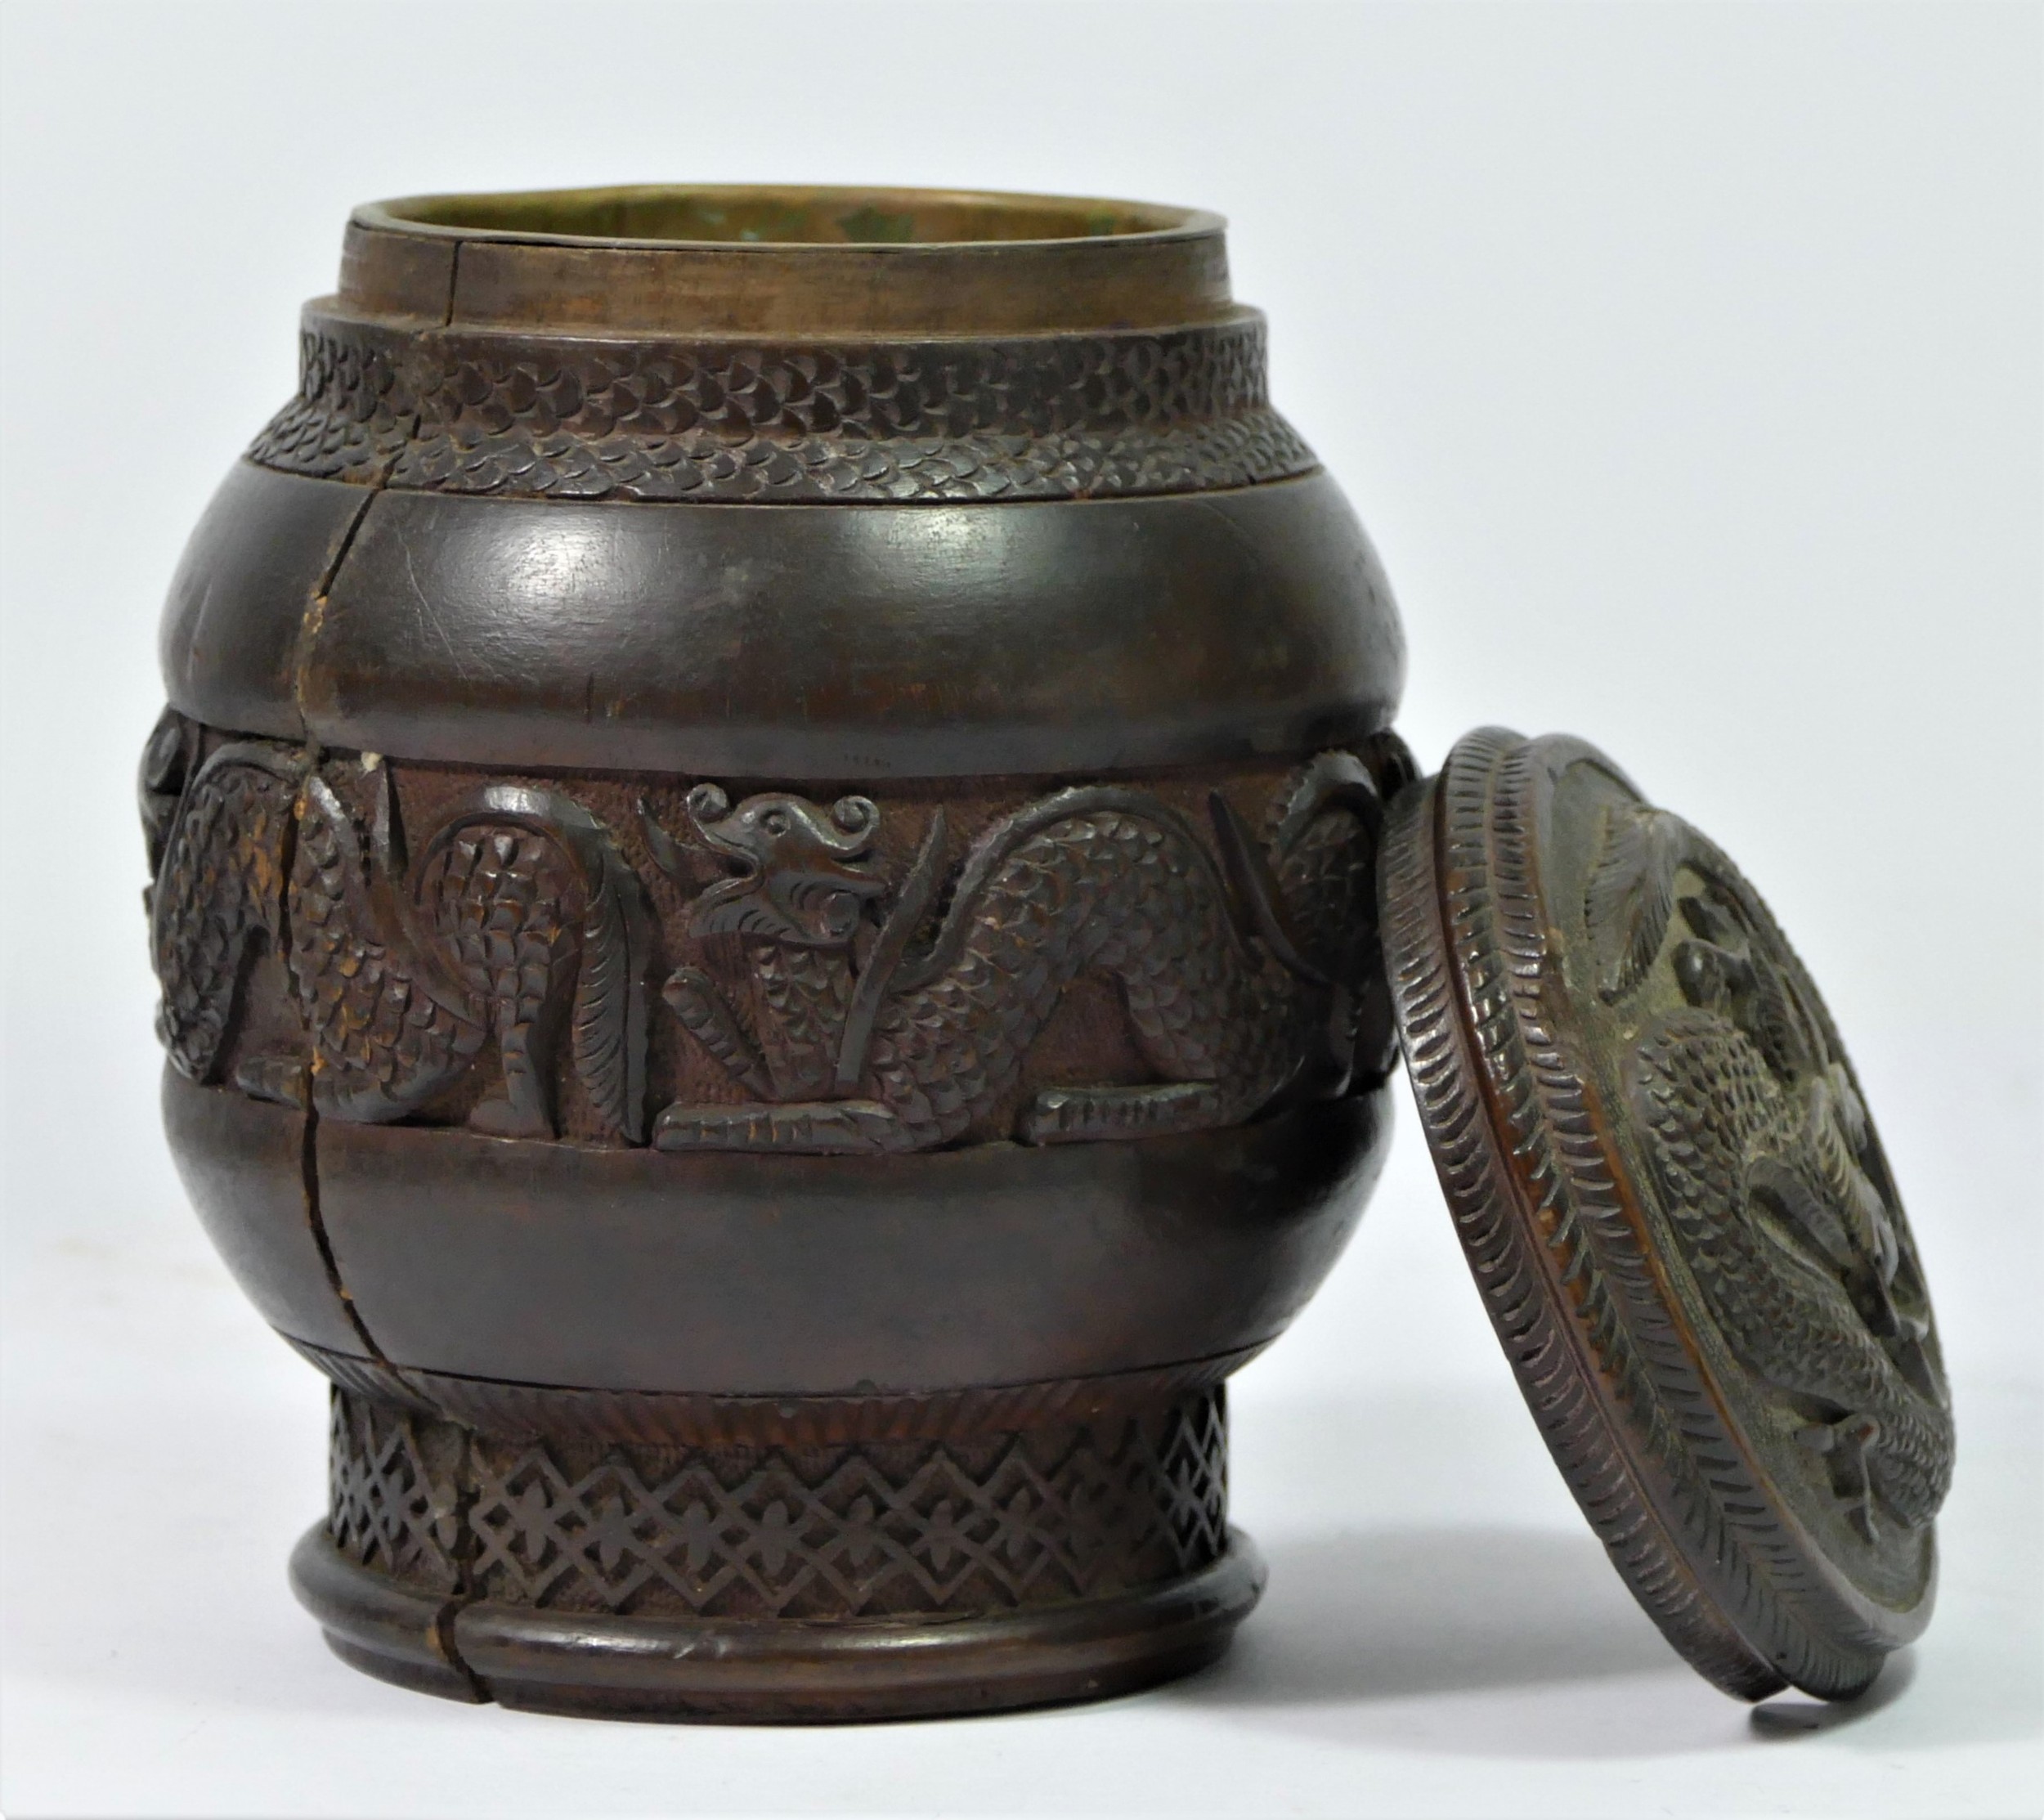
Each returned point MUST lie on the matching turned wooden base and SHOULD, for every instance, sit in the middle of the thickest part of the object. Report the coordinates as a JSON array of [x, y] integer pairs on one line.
[[770, 1582], [774, 1672]]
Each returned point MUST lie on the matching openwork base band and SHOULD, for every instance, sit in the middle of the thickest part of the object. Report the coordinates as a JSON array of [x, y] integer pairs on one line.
[[875, 1579]]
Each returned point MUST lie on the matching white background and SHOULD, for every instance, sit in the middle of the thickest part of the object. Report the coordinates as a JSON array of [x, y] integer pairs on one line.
[[1684, 363]]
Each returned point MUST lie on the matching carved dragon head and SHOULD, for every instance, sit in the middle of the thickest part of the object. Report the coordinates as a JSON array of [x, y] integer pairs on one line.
[[801, 879]]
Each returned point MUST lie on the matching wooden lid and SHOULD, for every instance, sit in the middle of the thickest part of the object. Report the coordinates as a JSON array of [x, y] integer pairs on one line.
[[1677, 1210]]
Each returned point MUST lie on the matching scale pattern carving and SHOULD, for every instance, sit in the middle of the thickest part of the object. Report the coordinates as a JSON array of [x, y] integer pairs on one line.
[[516, 906], [473, 412], [1731, 1079], [1007, 1520], [876, 1009], [1775, 1188], [1239, 976]]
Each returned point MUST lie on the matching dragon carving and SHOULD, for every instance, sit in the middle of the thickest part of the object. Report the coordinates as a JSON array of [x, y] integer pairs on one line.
[[872, 1013], [516, 916], [1771, 1177], [867, 1031]]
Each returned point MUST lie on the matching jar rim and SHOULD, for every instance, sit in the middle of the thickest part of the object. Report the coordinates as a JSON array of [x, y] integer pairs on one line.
[[637, 260], [785, 218]]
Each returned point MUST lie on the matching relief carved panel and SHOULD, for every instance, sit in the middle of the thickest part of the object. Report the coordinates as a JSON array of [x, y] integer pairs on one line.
[[1105, 960], [1049, 964], [1003, 1521]]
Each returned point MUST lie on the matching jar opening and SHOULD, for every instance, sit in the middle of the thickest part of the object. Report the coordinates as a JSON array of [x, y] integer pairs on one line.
[[788, 217], [777, 259]]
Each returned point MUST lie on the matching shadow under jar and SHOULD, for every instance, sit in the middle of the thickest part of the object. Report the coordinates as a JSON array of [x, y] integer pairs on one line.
[[764, 858]]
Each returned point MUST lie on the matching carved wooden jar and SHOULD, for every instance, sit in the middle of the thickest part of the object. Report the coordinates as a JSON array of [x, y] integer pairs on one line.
[[763, 861]]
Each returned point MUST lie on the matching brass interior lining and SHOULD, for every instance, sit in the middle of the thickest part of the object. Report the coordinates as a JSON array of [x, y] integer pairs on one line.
[[789, 216]]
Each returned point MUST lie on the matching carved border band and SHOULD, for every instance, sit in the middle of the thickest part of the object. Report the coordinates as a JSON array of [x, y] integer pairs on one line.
[[1081, 964], [1007, 1520], [466, 411]]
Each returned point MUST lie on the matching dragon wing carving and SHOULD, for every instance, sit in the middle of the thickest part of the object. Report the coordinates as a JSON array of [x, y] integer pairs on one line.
[[219, 894], [389, 1030], [402, 971], [481, 886], [1631, 895]]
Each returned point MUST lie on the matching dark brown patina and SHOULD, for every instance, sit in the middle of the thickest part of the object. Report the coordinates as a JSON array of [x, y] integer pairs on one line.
[[1677, 1209], [764, 864]]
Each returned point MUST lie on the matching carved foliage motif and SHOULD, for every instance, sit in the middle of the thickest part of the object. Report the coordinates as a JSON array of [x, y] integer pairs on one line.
[[1773, 1181], [879, 1004], [881, 1528], [476, 412]]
